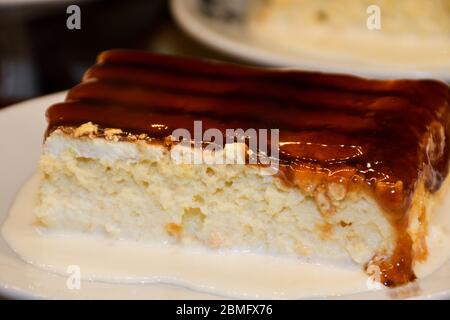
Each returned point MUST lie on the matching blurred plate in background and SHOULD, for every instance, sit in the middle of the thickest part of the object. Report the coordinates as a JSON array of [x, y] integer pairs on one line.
[[224, 27]]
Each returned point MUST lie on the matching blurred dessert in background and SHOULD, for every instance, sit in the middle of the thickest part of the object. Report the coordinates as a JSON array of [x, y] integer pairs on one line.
[[415, 33]]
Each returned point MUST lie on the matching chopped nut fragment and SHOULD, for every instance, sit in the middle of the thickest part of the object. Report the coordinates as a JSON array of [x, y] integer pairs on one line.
[[109, 133], [337, 191], [323, 202], [87, 129], [131, 137]]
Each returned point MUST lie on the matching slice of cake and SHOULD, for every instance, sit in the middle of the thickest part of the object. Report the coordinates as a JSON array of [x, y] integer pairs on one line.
[[354, 163]]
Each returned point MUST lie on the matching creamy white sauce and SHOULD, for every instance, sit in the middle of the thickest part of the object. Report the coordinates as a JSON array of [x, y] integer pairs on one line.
[[231, 274], [438, 238]]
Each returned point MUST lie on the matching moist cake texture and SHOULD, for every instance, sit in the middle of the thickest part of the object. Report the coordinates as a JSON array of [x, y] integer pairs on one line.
[[360, 160]]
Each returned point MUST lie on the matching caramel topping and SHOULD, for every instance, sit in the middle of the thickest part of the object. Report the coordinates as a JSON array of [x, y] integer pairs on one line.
[[384, 133]]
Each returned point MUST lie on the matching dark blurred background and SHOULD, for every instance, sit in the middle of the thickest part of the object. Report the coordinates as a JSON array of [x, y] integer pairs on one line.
[[39, 54]]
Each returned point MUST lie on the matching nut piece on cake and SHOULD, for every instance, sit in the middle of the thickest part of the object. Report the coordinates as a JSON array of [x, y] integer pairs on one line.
[[359, 161]]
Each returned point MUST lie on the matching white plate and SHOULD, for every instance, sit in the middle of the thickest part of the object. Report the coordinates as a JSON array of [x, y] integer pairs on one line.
[[21, 129], [233, 38]]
